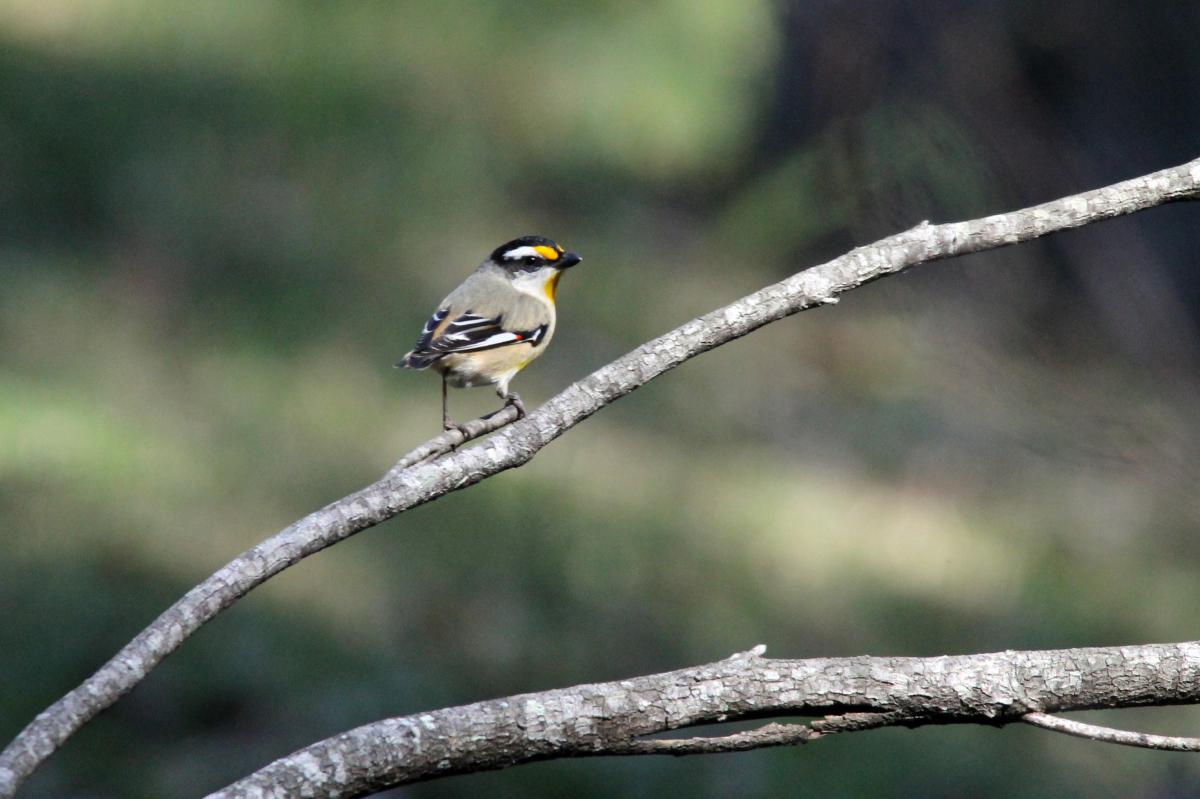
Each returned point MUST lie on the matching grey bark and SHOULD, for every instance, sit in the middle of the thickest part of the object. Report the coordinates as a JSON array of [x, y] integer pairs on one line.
[[1142, 740], [425, 475], [609, 718]]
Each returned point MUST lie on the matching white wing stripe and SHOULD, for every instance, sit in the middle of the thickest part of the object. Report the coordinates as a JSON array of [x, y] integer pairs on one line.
[[491, 341], [433, 321], [470, 321]]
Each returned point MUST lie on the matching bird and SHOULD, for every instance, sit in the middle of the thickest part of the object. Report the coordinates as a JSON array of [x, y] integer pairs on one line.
[[496, 322]]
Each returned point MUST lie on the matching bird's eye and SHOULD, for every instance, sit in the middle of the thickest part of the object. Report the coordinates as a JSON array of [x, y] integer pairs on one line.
[[530, 260]]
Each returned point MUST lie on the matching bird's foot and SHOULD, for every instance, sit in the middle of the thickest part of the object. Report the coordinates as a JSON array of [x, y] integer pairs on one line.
[[514, 400], [450, 426]]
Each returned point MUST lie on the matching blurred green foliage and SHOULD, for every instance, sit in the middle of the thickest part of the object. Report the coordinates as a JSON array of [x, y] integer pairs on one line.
[[220, 223]]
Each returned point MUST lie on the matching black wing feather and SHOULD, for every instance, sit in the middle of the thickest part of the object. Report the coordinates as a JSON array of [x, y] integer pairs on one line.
[[466, 333]]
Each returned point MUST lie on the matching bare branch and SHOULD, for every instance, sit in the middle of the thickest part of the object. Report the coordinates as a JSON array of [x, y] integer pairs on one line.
[[1094, 732], [767, 735], [611, 718], [425, 480], [453, 439], [773, 734]]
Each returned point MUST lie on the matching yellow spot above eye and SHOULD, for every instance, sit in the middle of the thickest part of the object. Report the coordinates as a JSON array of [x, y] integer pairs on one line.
[[559, 246], [549, 253]]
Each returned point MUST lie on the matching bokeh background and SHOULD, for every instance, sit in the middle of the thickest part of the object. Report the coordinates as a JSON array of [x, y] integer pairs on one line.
[[221, 223]]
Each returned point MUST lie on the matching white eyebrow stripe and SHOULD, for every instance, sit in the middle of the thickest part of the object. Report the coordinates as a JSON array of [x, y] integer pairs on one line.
[[521, 252]]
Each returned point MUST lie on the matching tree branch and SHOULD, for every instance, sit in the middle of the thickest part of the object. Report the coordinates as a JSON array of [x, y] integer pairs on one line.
[[421, 478], [773, 734], [453, 439], [611, 718]]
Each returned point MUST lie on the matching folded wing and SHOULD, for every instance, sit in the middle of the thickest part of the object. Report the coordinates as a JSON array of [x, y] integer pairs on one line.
[[465, 333]]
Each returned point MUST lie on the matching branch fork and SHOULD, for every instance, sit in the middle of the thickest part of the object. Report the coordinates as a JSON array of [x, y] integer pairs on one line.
[[847, 694], [442, 465]]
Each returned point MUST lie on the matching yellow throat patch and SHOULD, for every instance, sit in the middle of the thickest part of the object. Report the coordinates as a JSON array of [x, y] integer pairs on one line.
[[552, 285]]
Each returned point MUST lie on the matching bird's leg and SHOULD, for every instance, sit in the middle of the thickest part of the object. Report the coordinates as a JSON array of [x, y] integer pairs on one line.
[[447, 422]]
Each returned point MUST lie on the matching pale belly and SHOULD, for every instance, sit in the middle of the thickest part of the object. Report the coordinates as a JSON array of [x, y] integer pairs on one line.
[[490, 367]]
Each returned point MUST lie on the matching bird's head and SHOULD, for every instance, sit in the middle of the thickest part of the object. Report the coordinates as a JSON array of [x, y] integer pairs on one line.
[[532, 254], [534, 264]]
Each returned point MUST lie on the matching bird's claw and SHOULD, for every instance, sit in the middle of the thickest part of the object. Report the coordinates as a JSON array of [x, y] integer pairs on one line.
[[514, 400], [461, 429]]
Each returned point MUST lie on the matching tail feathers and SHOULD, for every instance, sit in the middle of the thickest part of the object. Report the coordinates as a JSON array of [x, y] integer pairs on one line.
[[418, 360]]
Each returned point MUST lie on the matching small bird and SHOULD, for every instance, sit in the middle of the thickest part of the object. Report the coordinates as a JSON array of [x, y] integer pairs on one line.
[[495, 323]]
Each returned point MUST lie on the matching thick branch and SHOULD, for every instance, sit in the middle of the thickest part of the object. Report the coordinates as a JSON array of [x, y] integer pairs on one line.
[[426, 480], [610, 718]]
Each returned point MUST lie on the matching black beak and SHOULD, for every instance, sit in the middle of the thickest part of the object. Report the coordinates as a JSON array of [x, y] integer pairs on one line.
[[567, 260]]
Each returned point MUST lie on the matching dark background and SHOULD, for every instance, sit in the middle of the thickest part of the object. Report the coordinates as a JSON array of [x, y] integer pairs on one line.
[[220, 224]]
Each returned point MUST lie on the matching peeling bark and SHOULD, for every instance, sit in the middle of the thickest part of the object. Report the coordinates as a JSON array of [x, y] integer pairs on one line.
[[411, 484]]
